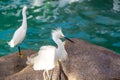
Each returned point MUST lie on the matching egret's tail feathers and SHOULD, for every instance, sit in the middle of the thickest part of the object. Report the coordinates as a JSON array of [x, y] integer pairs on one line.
[[11, 44], [29, 61]]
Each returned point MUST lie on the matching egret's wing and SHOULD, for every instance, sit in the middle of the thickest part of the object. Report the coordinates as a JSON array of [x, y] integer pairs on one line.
[[19, 35], [45, 58]]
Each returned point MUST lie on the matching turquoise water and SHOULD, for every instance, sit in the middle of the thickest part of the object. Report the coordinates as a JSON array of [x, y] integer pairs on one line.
[[92, 20]]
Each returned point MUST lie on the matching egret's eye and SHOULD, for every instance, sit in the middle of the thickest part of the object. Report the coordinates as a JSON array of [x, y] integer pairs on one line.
[[61, 36]]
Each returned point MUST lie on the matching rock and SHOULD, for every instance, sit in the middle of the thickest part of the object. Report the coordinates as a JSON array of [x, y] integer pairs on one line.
[[11, 64], [90, 62], [85, 62], [26, 74]]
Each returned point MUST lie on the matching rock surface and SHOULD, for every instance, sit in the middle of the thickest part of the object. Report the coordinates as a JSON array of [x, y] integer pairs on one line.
[[85, 62], [11, 64], [90, 62]]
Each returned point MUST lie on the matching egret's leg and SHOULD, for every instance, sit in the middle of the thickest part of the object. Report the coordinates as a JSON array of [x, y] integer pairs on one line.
[[62, 71], [20, 53], [44, 76], [48, 75], [51, 74], [19, 50], [65, 76], [59, 62]]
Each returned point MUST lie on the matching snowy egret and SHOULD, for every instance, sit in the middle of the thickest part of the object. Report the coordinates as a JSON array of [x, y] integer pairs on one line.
[[48, 56], [20, 33]]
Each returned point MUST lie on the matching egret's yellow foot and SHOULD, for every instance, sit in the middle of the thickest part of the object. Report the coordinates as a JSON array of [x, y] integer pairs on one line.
[[21, 55]]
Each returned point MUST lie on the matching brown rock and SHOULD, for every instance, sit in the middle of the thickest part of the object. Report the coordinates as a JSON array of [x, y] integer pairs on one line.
[[90, 62], [85, 62], [12, 64]]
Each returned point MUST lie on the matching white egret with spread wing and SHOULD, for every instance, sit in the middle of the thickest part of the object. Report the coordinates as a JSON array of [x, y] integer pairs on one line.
[[48, 56], [20, 33]]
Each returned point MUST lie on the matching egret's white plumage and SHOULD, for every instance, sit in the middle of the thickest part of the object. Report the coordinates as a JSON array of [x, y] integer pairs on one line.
[[49, 55], [20, 33], [60, 51], [45, 59]]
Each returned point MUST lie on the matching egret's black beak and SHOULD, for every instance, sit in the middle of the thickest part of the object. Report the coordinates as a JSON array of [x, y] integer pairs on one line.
[[69, 39]]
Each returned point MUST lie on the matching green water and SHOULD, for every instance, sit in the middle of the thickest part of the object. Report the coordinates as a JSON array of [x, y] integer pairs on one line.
[[92, 20]]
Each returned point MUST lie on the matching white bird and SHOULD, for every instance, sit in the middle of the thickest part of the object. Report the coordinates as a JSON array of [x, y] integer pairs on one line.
[[20, 33], [48, 56]]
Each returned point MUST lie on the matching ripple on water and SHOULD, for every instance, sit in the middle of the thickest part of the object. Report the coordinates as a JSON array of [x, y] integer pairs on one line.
[[6, 34], [77, 20], [99, 40], [115, 34], [117, 44], [82, 35], [105, 20]]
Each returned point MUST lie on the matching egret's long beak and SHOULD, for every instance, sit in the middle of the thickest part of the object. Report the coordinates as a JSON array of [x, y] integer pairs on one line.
[[69, 39]]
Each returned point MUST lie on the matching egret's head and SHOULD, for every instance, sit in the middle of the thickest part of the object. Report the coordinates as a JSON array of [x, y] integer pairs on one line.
[[57, 33], [25, 7]]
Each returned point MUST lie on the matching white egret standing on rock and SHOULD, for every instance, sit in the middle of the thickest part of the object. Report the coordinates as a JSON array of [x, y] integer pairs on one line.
[[20, 33], [49, 55]]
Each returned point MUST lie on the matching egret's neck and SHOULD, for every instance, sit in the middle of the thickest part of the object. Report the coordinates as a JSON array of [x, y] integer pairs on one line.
[[24, 22], [60, 51], [60, 45], [58, 42]]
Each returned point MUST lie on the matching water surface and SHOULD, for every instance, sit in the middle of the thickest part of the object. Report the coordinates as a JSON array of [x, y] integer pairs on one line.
[[95, 21]]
